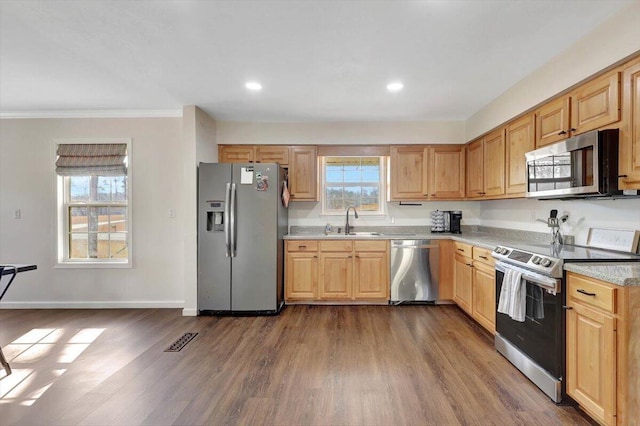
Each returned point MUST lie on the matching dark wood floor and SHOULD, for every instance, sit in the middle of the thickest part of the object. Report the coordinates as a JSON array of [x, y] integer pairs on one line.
[[321, 365]]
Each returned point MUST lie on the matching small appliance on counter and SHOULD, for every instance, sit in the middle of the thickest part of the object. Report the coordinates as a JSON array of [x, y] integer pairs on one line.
[[449, 221]]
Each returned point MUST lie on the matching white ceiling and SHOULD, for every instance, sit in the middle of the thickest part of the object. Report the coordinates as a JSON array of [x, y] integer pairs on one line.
[[316, 60]]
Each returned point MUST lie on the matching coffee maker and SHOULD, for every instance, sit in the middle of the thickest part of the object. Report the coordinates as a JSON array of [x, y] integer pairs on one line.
[[455, 222]]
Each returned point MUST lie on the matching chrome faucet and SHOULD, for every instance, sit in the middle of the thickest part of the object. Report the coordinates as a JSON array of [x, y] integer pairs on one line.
[[347, 227]]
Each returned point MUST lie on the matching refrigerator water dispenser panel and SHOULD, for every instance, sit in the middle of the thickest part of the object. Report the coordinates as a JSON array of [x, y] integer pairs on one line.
[[215, 216]]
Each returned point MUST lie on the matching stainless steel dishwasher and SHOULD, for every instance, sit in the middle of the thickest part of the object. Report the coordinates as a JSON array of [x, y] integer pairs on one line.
[[414, 271]]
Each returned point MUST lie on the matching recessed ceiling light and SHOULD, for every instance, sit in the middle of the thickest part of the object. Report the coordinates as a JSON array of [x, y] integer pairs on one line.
[[395, 86], [253, 86]]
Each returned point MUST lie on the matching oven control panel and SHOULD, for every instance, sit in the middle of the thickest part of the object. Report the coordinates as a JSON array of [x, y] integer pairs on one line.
[[530, 260]]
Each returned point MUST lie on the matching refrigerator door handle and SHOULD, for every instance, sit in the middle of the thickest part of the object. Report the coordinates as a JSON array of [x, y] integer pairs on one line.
[[227, 221], [233, 220]]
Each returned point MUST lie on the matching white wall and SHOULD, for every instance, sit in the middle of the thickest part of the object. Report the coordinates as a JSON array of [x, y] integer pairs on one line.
[[341, 133], [610, 42], [583, 214], [309, 214], [27, 182], [198, 145]]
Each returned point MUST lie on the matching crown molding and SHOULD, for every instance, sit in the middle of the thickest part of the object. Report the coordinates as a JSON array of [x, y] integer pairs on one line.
[[111, 113]]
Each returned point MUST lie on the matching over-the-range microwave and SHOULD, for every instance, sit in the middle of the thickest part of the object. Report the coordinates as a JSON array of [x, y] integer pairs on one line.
[[582, 166]]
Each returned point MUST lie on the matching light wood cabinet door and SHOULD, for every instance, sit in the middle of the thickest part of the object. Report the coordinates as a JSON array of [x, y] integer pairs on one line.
[[302, 276], [371, 277], [272, 154], [408, 172], [445, 282], [591, 361], [595, 104], [236, 153], [475, 169], [446, 171], [462, 279], [552, 121], [494, 163], [629, 165], [520, 139], [336, 275], [303, 173], [484, 296]]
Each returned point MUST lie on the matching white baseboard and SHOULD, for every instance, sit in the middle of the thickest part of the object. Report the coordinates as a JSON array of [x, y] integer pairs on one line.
[[189, 312], [146, 304]]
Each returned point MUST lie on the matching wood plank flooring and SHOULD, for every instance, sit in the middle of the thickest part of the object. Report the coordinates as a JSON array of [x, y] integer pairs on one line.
[[311, 365]]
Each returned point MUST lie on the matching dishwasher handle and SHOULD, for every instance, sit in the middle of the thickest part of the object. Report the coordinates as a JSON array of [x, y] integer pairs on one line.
[[413, 245]]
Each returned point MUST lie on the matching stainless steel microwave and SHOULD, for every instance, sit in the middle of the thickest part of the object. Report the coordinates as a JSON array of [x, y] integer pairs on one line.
[[582, 166]]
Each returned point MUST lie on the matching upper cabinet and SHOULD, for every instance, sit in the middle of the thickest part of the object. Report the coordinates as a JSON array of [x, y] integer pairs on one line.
[[408, 172], [593, 105], [629, 165], [486, 166], [420, 172], [236, 153], [445, 170], [272, 154], [254, 154], [520, 139], [303, 173], [300, 161]]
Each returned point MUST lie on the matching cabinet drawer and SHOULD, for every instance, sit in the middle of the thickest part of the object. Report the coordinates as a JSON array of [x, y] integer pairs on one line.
[[336, 245], [483, 255], [371, 245], [462, 248], [302, 245], [591, 292]]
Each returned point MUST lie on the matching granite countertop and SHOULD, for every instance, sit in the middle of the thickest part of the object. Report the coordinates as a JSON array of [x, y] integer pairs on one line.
[[622, 273]]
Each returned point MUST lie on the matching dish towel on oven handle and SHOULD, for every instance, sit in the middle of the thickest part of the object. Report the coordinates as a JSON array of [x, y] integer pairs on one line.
[[513, 296]]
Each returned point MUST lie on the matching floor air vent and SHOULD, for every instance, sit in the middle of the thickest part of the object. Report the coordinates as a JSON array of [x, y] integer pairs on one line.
[[181, 342]]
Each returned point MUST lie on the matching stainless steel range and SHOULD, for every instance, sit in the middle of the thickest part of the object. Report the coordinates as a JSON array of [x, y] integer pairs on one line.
[[534, 341]]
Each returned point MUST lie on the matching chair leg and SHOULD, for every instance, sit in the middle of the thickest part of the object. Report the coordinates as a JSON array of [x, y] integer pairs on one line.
[[4, 363]]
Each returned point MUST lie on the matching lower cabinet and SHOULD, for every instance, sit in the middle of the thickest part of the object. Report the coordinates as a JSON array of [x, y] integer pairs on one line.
[[484, 294], [474, 284], [337, 270], [301, 270], [603, 348], [462, 284]]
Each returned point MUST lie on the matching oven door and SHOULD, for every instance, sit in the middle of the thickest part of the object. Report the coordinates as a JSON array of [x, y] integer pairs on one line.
[[540, 336]]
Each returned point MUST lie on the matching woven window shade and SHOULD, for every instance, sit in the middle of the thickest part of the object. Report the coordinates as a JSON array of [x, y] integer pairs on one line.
[[91, 159]]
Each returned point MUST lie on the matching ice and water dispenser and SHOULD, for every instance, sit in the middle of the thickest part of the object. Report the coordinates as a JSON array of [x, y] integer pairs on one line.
[[215, 216]]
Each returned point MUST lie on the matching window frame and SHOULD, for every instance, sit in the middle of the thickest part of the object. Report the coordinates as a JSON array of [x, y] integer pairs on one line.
[[382, 197], [62, 212]]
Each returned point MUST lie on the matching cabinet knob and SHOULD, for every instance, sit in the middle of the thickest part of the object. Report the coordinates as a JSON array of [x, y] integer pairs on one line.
[[572, 129], [562, 133], [566, 308], [586, 293], [622, 176]]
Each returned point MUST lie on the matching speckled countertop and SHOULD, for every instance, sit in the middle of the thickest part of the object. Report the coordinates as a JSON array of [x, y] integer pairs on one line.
[[625, 274]]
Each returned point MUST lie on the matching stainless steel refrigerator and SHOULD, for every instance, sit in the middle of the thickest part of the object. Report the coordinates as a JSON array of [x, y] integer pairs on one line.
[[241, 224]]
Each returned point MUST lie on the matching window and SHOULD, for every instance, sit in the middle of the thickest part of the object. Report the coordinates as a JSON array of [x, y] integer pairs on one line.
[[93, 198], [353, 181]]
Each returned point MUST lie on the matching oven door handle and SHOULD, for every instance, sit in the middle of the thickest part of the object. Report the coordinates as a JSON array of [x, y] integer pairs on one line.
[[541, 280]]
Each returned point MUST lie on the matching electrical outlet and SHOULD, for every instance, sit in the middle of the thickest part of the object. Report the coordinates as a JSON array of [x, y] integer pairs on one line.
[[17, 214], [172, 213]]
